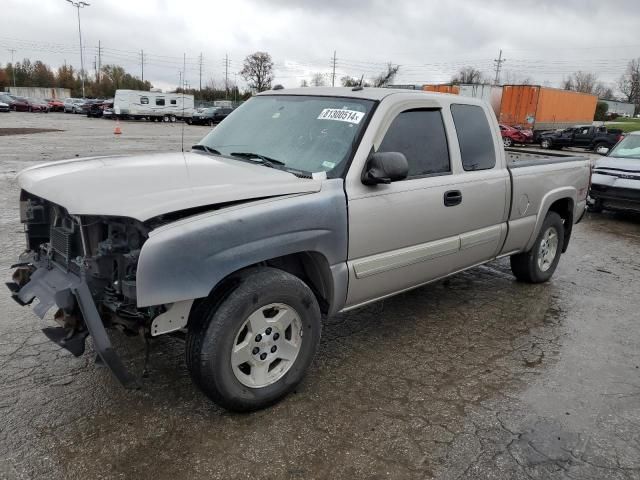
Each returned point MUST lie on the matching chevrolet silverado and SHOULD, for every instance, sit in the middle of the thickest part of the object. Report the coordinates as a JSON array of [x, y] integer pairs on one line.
[[303, 203]]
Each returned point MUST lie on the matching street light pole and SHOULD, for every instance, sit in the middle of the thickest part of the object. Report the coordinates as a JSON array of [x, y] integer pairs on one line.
[[78, 6]]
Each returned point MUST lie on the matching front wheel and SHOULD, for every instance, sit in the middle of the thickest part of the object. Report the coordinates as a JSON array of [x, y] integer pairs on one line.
[[252, 347], [507, 142], [538, 264], [545, 143], [601, 148]]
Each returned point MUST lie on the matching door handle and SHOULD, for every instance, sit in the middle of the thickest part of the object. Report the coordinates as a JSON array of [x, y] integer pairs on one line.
[[452, 197]]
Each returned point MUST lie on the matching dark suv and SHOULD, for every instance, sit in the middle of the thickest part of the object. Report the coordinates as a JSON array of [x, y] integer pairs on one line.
[[209, 116]]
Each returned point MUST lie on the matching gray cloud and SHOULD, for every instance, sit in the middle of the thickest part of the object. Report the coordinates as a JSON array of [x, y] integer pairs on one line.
[[544, 40]]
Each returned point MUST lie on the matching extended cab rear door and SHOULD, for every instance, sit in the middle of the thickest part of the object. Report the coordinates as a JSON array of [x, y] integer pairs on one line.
[[442, 218]]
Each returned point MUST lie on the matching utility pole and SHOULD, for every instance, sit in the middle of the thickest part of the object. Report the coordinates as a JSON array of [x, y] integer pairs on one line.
[[226, 76], [180, 73], [200, 88], [498, 61], [13, 66], [99, 60], [78, 6], [142, 63], [333, 75]]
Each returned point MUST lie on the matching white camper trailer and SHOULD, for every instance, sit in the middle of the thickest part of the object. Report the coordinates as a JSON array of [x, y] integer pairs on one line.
[[156, 106]]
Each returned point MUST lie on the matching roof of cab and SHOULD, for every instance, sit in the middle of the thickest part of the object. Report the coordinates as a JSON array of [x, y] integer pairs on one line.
[[375, 94], [367, 93]]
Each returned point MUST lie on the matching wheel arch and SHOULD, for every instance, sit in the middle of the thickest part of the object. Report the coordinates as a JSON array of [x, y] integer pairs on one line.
[[562, 201]]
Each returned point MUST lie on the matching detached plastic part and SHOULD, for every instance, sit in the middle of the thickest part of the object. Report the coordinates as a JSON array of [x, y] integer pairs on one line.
[[101, 340]]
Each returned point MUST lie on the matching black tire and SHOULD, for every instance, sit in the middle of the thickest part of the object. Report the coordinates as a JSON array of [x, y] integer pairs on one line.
[[546, 143], [507, 142], [525, 265], [216, 322]]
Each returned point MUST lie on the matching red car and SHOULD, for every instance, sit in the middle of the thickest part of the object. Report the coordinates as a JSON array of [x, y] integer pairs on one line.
[[55, 105], [37, 105], [17, 104], [513, 135]]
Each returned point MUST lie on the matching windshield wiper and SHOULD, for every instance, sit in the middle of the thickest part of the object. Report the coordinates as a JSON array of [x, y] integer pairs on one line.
[[264, 160], [204, 148]]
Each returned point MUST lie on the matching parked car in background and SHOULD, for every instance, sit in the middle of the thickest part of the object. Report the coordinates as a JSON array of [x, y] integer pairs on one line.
[[95, 109], [55, 105], [73, 105], [4, 107], [513, 135], [599, 139], [37, 105], [209, 116], [17, 104], [615, 184]]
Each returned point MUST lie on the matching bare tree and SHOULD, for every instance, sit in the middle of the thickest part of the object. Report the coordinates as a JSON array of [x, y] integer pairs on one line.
[[386, 77], [468, 75], [629, 82], [257, 70], [583, 82], [509, 77], [348, 81], [304, 83], [317, 80]]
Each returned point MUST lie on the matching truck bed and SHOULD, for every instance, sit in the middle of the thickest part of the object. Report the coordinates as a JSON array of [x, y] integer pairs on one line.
[[525, 158]]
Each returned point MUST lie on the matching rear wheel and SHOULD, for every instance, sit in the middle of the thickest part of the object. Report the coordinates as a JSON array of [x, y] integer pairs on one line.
[[250, 348], [507, 142], [546, 143], [538, 264]]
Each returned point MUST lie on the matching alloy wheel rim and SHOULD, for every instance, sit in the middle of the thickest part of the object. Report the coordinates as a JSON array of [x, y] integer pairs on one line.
[[547, 249], [267, 345]]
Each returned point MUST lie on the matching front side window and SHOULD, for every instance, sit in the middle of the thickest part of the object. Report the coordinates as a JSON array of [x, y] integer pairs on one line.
[[474, 136], [420, 136], [144, 100], [306, 133], [160, 101]]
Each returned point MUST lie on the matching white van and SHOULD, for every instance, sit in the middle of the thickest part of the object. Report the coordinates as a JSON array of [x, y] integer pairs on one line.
[[156, 106]]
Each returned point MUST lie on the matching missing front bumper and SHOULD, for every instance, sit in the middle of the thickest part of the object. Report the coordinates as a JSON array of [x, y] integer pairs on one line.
[[50, 286]]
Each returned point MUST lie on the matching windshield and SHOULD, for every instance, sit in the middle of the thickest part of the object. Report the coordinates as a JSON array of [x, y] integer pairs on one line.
[[629, 147], [305, 133]]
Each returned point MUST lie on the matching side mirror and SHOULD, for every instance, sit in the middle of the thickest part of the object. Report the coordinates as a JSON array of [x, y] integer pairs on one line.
[[385, 167]]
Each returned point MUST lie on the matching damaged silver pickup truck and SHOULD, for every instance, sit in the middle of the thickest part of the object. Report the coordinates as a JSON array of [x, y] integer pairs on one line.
[[301, 204]]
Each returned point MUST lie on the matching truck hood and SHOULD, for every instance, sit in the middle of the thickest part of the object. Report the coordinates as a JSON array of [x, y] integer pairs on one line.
[[621, 164], [145, 186]]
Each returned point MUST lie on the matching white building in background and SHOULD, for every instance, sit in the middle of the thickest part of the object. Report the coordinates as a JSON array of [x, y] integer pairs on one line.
[[620, 108], [40, 92]]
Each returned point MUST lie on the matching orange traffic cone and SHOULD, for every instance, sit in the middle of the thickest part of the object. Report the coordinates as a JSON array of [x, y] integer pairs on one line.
[[117, 130]]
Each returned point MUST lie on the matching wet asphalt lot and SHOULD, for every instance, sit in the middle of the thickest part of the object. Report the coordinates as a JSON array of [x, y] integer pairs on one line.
[[476, 376]]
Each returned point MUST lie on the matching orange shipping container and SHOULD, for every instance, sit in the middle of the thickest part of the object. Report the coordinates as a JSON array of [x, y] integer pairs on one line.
[[544, 108], [453, 89]]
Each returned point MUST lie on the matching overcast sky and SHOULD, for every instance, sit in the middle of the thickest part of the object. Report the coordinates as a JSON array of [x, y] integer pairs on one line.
[[544, 40]]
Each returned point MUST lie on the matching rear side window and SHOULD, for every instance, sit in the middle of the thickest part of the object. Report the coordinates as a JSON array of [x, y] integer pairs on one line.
[[474, 136], [420, 136], [173, 102], [159, 101]]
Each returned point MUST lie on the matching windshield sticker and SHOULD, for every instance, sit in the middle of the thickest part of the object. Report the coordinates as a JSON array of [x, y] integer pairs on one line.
[[326, 164], [276, 115], [350, 116]]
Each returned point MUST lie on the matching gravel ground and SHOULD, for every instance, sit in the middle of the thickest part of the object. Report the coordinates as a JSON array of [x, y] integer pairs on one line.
[[476, 376]]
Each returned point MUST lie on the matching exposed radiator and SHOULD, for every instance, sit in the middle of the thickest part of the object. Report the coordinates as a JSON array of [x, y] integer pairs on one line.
[[62, 241]]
